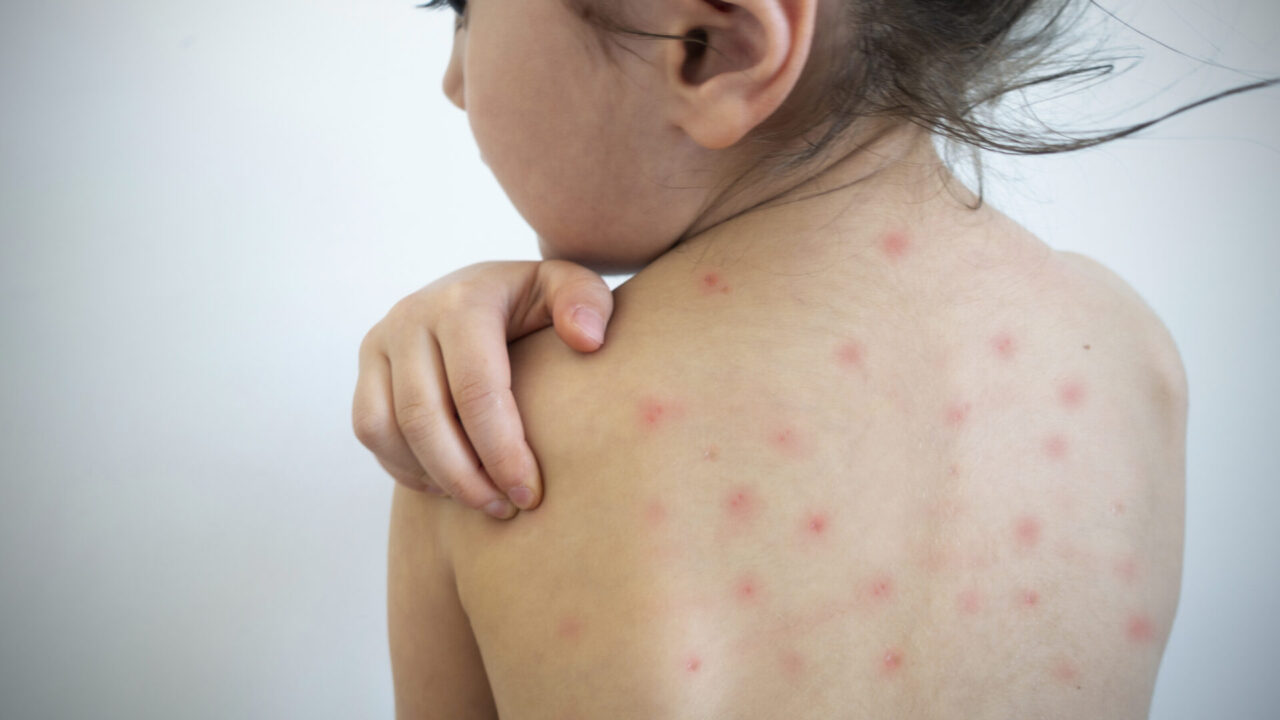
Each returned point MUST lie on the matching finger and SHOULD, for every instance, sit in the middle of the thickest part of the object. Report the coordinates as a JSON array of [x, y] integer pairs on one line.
[[579, 301], [424, 414], [478, 367], [374, 421]]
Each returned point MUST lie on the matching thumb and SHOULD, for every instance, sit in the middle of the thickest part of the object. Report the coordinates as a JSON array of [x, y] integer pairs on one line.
[[580, 303]]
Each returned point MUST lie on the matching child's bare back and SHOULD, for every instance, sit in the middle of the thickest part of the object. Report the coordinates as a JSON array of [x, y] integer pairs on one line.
[[940, 478]]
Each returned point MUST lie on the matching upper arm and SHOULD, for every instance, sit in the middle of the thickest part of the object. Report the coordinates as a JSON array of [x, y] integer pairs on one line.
[[435, 663]]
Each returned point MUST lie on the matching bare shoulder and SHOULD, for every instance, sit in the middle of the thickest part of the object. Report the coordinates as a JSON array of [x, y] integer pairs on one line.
[[1110, 300]]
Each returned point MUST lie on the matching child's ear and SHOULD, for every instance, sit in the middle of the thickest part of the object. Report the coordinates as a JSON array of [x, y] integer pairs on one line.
[[739, 62]]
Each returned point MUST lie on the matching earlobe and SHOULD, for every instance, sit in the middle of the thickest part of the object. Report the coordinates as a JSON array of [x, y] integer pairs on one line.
[[740, 61]]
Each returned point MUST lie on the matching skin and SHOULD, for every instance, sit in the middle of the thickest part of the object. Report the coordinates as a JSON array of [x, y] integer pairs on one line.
[[864, 454]]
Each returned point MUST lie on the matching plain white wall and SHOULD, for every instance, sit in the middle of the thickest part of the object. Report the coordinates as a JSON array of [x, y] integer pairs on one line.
[[204, 207]]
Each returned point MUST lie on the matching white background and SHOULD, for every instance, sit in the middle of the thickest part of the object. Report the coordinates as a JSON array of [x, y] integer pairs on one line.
[[205, 205]]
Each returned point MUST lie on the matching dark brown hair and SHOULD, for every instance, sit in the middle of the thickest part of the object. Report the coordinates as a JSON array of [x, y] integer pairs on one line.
[[944, 65]]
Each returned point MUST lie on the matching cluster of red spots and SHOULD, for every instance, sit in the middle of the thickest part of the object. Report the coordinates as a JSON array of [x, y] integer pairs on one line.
[[1027, 531], [970, 601], [1028, 598], [816, 523], [849, 355], [693, 664], [1139, 629], [741, 504], [713, 283], [891, 662], [1003, 345], [654, 412], [895, 244], [1055, 446], [957, 413], [570, 628], [1071, 394]]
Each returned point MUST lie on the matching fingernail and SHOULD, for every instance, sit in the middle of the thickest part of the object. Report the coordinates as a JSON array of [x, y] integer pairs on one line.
[[590, 323], [500, 509], [521, 496]]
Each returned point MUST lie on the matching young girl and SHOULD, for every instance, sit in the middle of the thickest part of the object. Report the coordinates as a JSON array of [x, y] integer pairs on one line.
[[858, 445]]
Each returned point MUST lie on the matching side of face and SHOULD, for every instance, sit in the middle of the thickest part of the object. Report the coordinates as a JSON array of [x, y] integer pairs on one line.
[[604, 159]]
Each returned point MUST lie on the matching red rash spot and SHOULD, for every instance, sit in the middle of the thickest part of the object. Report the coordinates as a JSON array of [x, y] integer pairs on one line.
[[747, 589], [712, 283], [970, 601], [1029, 598], [693, 664], [1065, 672], [786, 441], [1118, 508], [891, 661], [880, 588], [1003, 345], [654, 413], [1127, 570], [957, 413], [792, 663], [895, 245], [1071, 393], [1027, 531], [1055, 446], [816, 523], [741, 504], [711, 454], [655, 513], [849, 355], [570, 628], [1139, 629]]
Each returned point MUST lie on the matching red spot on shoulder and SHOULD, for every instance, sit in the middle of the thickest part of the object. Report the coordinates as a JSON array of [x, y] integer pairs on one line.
[[786, 441], [1029, 598], [970, 601], [1140, 629], [792, 662], [849, 355], [957, 413], [1065, 672], [1055, 446], [1003, 345], [1127, 570], [655, 513], [693, 664], [713, 283], [891, 661], [1071, 394], [1027, 531], [895, 244], [711, 454]]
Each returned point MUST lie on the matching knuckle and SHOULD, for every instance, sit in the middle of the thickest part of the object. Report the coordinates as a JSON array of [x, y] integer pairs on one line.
[[474, 396], [370, 428], [417, 422]]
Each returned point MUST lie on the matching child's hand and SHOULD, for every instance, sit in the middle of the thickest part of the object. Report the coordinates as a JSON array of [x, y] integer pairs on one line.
[[445, 347]]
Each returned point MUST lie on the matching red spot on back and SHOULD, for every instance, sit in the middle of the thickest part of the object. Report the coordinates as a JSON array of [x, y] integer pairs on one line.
[[895, 244], [1127, 570], [1027, 531], [970, 601], [792, 662], [1118, 507], [786, 441], [1065, 672], [1071, 393], [1029, 598], [957, 413], [1140, 629], [849, 355], [891, 661], [1003, 345], [1055, 446], [693, 664], [654, 412], [712, 453], [747, 588]]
